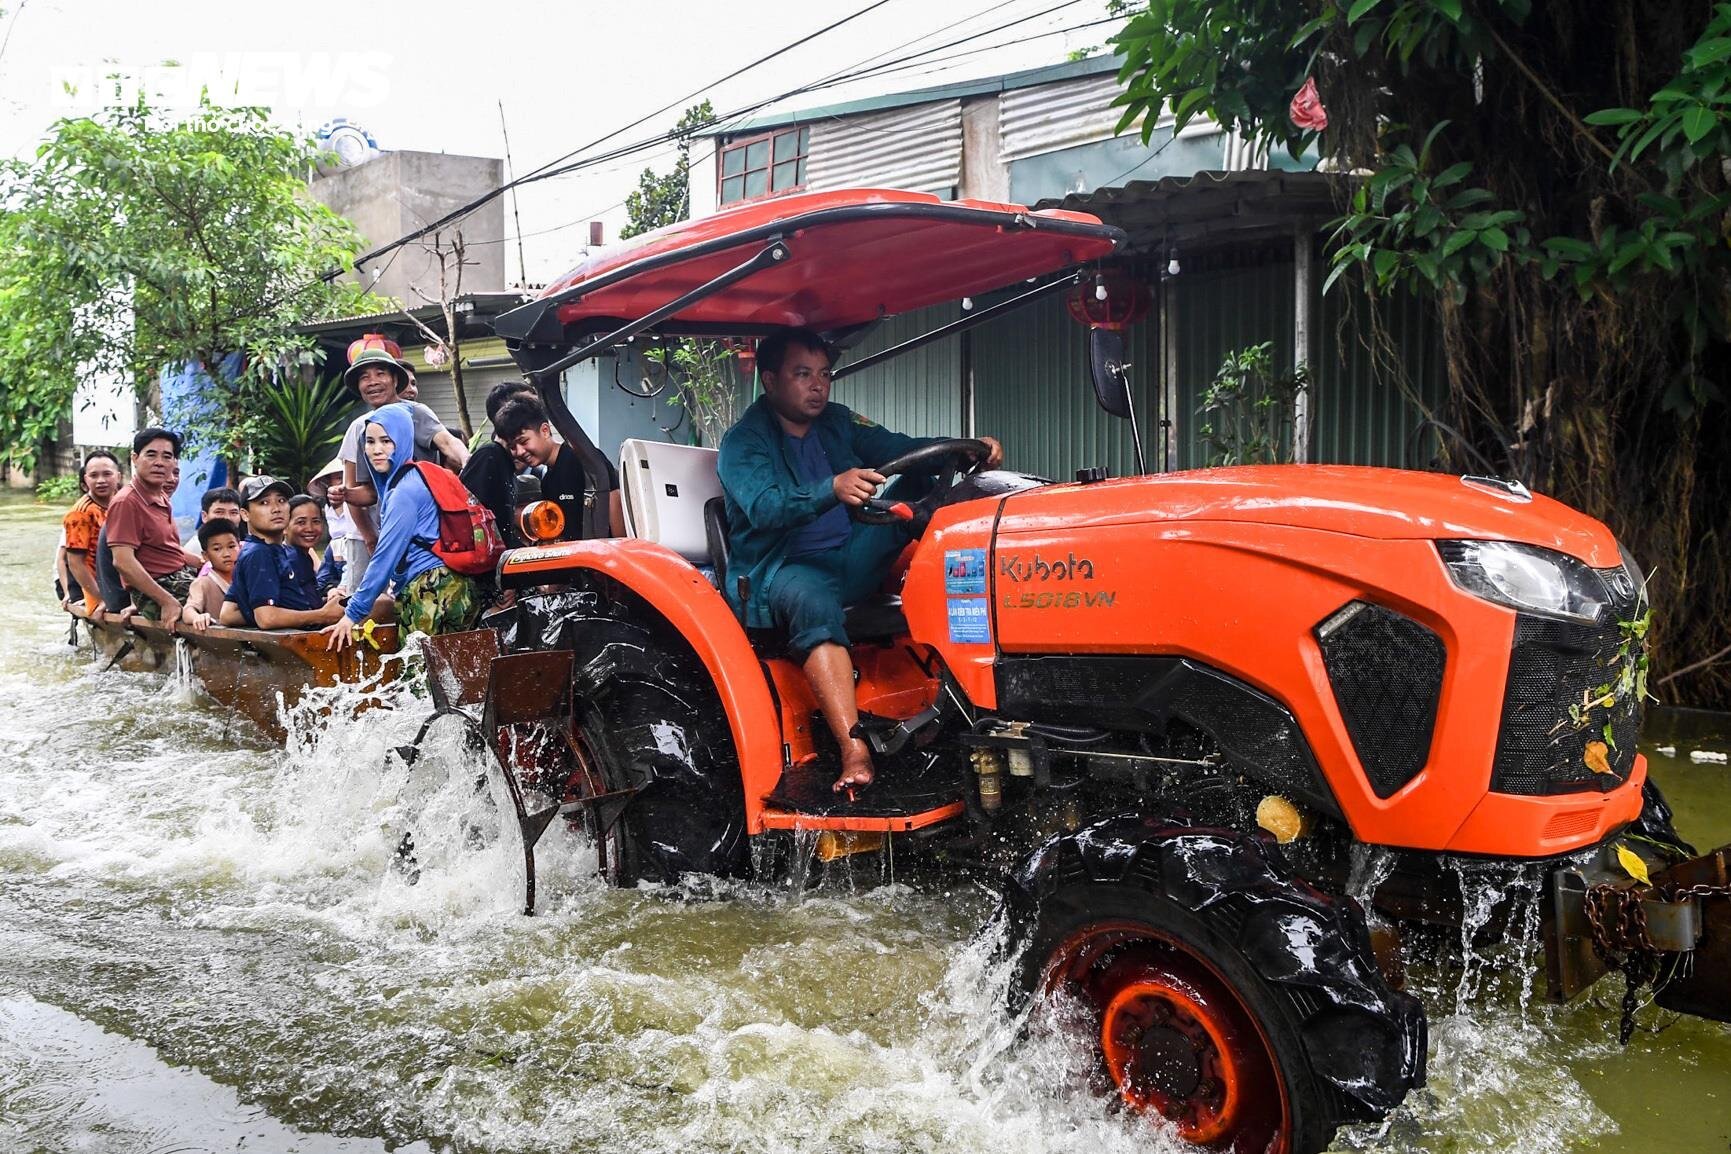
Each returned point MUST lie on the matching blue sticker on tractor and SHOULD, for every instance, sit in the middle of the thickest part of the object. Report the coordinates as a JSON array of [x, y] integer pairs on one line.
[[970, 621], [964, 571]]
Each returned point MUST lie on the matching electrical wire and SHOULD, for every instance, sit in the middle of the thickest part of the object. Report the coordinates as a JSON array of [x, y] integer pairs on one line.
[[555, 168], [542, 171]]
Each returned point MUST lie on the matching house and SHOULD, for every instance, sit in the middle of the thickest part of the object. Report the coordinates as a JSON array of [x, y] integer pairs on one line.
[[1226, 242]]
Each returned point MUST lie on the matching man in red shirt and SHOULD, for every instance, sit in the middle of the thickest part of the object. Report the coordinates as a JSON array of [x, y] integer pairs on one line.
[[141, 533]]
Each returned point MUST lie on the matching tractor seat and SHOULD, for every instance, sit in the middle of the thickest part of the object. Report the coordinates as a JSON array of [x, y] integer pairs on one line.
[[879, 619]]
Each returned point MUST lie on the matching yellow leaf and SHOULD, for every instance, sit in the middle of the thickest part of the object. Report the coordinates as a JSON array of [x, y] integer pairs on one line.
[[1596, 757], [1633, 865]]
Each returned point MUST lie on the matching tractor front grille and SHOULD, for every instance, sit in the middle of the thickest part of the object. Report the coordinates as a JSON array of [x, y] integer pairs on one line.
[[1387, 673], [1541, 748]]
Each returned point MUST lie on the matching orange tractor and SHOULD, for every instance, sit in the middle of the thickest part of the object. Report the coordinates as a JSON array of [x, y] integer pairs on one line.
[[1162, 712]]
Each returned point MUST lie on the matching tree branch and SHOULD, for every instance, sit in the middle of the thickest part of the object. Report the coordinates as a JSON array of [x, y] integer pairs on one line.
[[1551, 97], [1701, 664]]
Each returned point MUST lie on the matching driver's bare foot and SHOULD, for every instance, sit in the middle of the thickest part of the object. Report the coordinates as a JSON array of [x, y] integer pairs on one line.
[[856, 767]]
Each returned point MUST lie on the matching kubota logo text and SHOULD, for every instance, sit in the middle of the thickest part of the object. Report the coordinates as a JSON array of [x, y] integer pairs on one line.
[[1071, 568]]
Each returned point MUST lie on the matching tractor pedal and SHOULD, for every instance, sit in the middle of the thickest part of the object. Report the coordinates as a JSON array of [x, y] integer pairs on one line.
[[890, 735]]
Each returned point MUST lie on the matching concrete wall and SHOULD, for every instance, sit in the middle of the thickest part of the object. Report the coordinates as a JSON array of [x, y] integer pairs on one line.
[[400, 191]]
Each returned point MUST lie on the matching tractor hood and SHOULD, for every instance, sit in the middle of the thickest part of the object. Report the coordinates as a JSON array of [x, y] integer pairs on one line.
[[1363, 502]]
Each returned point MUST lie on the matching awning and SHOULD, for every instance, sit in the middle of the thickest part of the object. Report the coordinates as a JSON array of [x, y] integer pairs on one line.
[[1212, 207]]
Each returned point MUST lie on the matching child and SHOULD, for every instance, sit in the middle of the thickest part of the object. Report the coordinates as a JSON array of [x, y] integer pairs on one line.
[[219, 540], [346, 555]]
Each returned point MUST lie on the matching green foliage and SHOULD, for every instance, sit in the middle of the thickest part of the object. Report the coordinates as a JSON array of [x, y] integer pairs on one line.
[[134, 241], [706, 377], [301, 428], [1556, 179], [1249, 409], [56, 490], [662, 200]]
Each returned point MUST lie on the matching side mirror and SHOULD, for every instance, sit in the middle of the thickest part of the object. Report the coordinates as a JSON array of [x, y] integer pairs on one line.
[[1110, 376]]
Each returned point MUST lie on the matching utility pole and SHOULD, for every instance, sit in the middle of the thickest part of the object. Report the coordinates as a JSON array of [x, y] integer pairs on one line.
[[517, 221]]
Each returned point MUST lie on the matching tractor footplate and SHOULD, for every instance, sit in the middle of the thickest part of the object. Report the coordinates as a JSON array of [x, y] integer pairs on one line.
[[901, 788]]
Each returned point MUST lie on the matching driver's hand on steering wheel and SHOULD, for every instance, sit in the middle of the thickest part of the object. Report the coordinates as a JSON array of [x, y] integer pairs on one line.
[[856, 486], [997, 457]]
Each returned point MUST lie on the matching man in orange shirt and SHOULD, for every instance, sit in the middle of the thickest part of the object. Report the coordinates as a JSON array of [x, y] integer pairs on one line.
[[100, 479]]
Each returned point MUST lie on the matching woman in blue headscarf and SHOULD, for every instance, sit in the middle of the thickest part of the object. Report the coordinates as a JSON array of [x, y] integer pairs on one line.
[[430, 598]]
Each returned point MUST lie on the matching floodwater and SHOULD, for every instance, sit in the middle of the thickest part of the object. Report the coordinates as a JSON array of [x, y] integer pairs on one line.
[[204, 946]]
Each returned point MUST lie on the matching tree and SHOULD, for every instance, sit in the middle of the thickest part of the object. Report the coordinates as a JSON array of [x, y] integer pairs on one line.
[[1555, 176], [449, 255], [134, 242], [664, 200]]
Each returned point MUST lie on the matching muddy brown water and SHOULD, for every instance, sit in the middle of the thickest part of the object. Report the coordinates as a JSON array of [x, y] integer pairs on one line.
[[203, 946]]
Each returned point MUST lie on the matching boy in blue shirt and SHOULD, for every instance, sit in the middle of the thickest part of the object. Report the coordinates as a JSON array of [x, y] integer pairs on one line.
[[273, 586]]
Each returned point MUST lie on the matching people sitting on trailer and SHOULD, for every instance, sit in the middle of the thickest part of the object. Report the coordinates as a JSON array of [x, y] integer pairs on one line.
[[99, 479], [491, 474], [219, 539], [156, 571], [523, 426], [219, 504], [430, 598], [790, 468], [345, 542], [306, 530], [273, 585], [377, 371]]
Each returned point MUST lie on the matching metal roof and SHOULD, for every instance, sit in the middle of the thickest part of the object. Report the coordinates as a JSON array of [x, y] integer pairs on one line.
[[1226, 206], [476, 318], [1091, 66]]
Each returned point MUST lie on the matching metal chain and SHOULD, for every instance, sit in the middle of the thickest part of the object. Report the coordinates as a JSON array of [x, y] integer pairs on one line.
[[1620, 937]]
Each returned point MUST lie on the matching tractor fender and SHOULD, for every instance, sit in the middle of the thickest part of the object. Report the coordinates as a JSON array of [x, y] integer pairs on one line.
[[1365, 1041], [685, 600]]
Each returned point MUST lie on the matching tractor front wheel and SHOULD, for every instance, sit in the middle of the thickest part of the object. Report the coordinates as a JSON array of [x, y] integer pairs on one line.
[[1183, 1028]]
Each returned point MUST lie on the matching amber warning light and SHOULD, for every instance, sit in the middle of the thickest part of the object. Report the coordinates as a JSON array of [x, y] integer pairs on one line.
[[541, 521]]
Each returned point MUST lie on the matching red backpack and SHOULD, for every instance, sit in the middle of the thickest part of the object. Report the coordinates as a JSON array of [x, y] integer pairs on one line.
[[469, 541]]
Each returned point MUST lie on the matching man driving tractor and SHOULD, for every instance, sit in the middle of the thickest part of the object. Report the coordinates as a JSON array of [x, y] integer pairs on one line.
[[791, 468]]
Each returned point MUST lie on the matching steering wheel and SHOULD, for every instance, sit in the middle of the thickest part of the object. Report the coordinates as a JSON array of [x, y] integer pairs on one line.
[[944, 459]]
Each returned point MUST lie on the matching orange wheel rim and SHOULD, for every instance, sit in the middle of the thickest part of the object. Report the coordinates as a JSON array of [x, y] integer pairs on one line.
[[1175, 1038], [1197, 1082]]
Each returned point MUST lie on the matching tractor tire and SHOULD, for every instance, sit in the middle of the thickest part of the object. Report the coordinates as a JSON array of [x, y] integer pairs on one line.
[[1242, 1006], [654, 723]]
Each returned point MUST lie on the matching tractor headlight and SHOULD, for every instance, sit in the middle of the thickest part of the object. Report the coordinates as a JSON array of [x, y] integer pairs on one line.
[[1527, 578]]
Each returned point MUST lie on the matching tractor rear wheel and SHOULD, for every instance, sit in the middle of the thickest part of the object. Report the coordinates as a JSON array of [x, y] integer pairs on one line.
[[654, 725], [1183, 1026]]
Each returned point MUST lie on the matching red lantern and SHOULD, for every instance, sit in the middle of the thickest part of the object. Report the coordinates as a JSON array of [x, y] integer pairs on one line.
[[1111, 299]]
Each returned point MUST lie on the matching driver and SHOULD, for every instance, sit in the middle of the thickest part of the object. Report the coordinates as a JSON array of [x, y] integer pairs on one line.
[[796, 560]]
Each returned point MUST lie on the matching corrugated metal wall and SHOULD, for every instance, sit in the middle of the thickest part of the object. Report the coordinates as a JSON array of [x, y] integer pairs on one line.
[[1047, 117], [1032, 392], [1359, 415], [919, 392], [1363, 414], [918, 148], [1214, 313]]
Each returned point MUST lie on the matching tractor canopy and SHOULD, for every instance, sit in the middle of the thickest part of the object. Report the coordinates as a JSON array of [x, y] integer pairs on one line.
[[831, 261]]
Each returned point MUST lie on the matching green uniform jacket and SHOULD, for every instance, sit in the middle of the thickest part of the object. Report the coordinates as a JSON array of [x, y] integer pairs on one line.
[[766, 500]]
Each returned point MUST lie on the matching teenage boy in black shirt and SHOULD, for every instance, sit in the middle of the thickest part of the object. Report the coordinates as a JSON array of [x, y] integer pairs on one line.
[[522, 426]]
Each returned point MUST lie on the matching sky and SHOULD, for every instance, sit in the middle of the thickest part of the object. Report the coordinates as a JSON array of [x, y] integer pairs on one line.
[[432, 76]]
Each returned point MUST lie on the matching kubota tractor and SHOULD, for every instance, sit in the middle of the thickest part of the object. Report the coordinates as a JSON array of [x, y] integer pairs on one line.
[[1162, 711]]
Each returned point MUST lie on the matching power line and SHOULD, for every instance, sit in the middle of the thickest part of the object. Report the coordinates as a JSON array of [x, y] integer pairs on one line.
[[555, 169], [540, 173]]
